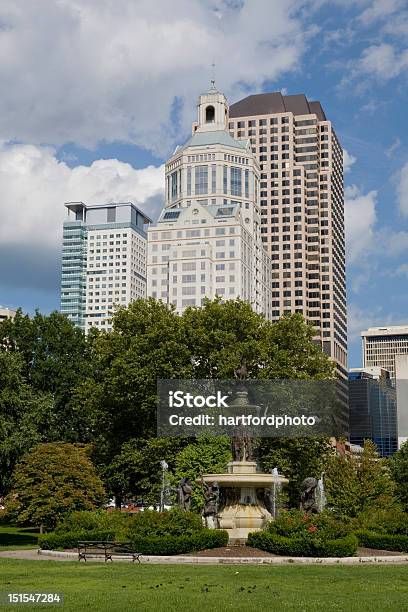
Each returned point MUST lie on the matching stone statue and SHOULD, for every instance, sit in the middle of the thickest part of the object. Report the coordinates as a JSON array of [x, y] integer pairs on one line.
[[184, 491], [242, 447], [211, 502], [308, 500], [242, 371]]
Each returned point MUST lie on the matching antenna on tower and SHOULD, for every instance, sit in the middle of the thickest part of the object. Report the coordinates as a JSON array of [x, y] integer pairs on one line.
[[213, 75]]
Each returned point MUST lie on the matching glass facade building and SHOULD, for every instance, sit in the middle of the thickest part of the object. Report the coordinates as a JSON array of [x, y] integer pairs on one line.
[[373, 409], [103, 261]]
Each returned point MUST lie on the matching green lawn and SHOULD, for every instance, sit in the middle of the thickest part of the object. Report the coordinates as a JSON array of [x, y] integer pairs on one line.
[[124, 586], [17, 537]]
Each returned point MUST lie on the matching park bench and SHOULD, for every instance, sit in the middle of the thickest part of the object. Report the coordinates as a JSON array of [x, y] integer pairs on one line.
[[90, 548]]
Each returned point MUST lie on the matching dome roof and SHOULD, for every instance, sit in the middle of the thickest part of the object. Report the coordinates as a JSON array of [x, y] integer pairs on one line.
[[221, 137]]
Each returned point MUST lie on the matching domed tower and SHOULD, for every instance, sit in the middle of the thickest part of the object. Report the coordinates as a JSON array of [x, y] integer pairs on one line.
[[207, 241]]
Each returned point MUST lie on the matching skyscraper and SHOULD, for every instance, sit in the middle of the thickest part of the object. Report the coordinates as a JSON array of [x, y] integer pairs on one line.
[[302, 210], [207, 240], [103, 261], [381, 345], [373, 409]]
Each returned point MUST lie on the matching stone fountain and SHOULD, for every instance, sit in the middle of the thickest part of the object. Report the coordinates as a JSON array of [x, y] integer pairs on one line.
[[247, 498]]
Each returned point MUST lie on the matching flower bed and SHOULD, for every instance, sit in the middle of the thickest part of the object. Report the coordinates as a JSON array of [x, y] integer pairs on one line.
[[303, 535]]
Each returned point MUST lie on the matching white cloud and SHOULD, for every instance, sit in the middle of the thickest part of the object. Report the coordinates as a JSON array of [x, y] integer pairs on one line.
[[380, 9], [393, 147], [359, 319], [75, 71], [360, 218], [402, 189], [34, 185], [382, 62], [348, 160]]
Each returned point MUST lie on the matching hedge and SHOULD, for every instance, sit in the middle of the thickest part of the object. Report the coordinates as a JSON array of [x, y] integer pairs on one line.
[[70, 539], [178, 545], [303, 547], [382, 541]]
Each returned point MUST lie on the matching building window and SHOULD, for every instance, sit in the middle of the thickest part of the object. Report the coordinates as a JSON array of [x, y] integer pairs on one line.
[[210, 114], [174, 185], [188, 180], [213, 178], [225, 179], [236, 181], [111, 215], [247, 183], [201, 180]]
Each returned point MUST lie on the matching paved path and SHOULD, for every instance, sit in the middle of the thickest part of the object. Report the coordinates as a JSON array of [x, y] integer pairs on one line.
[[34, 555], [31, 554]]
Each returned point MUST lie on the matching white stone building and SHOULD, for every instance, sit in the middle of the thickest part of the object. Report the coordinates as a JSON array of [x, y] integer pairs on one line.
[[103, 261], [207, 240]]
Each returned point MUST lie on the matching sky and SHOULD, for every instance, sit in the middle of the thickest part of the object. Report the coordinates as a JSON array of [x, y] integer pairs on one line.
[[96, 94]]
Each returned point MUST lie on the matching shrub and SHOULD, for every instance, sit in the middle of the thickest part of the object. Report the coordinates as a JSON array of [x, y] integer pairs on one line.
[[298, 524], [51, 481], [93, 521], [382, 541], [303, 547], [172, 522], [179, 544], [70, 539], [393, 521]]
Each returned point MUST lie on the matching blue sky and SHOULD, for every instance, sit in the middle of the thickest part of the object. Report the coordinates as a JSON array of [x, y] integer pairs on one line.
[[95, 95]]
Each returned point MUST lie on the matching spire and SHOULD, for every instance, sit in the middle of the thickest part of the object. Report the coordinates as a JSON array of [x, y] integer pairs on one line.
[[213, 87]]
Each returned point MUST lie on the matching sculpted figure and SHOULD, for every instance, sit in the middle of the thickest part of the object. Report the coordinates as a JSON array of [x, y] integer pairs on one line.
[[308, 501], [184, 491]]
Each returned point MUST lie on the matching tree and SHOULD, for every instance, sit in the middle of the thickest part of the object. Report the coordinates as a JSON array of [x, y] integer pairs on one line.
[[24, 416], [55, 360], [147, 343], [296, 459], [50, 482], [357, 483], [223, 335], [136, 472], [206, 455], [398, 463], [150, 341]]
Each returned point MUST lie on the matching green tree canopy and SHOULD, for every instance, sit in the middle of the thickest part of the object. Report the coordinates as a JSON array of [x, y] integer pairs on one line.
[[356, 483], [147, 343], [399, 470], [24, 415], [50, 482], [296, 459], [151, 341], [55, 358], [136, 472], [206, 455]]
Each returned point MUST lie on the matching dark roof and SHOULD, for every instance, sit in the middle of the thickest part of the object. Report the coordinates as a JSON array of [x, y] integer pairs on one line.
[[270, 103]]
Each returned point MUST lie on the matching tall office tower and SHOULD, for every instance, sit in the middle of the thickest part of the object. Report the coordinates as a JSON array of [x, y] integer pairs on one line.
[[373, 409], [302, 210], [6, 313], [207, 240], [381, 345], [103, 261]]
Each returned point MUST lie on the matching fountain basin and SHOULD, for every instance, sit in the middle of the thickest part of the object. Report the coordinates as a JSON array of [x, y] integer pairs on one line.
[[243, 509]]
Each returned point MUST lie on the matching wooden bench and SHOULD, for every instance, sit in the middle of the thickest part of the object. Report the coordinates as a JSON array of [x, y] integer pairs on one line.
[[89, 548]]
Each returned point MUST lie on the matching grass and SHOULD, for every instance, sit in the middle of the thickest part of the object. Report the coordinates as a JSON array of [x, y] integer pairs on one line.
[[123, 586], [13, 538]]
